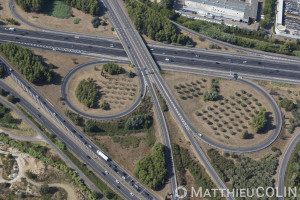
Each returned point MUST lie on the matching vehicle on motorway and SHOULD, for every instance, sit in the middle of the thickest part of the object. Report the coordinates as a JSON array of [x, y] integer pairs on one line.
[[217, 63], [229, 60], [117, 181], [245, 61], [112, 45], [131, 194], [106, 172], [102, 155], [11, 29], [167, 59], [90, 146], [200, 135]]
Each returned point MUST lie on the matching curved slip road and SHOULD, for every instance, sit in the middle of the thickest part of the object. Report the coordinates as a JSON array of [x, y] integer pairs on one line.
[[284, 164], [64, 95]]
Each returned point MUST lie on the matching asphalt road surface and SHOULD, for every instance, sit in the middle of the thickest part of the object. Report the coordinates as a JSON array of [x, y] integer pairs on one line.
[[125, 187]]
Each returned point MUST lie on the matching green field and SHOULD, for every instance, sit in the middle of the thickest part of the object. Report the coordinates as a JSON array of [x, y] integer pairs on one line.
[[58, 9]]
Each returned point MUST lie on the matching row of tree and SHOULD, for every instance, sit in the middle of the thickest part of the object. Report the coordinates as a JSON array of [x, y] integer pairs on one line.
[[295, 120], [38, 151], [152, 170], [183, 161], [33, 5], [31, 66], [87, 92], [214, 91], [152, 23], [268, 11], [87, 6]]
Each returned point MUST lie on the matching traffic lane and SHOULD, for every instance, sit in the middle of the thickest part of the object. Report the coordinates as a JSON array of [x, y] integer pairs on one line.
[[231, 59], [86, 142], [209, 64], [69, 143], [56, 46], [189, 53], [95, 47], [67, 38], [234, 68]]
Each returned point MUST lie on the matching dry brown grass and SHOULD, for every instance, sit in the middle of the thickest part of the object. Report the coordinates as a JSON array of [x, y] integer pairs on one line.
[[5, 13], [119, 91], [128, 157], [85, 25], [64, 63], [24, 130], [220, 118]]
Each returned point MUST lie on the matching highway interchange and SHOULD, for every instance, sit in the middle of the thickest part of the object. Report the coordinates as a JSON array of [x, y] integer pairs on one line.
[[139, 55]]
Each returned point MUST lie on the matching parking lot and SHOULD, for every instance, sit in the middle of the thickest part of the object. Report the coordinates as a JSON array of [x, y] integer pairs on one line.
[[292, 16]]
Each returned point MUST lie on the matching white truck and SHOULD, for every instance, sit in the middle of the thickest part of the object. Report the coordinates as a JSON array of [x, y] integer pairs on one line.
[[11, 29], [102, 155]]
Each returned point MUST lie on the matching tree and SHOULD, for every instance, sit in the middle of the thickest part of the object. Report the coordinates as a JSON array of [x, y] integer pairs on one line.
[[152, 170], [136, 122], [259, 121], [11, 98], [29, 65], [2, 92], [87, 92], [112, 68], [131, 74]]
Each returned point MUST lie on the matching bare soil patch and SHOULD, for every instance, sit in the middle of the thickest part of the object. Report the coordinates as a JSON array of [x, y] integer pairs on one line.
[[119, 91], [223, 120], [84, 26]]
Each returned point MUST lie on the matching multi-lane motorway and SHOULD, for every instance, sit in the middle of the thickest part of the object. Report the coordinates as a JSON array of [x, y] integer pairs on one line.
[[178, 57], [126, 187], [278, 68]]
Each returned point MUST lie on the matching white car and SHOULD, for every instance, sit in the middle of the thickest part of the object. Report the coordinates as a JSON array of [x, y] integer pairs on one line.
[[117, 181], [200, 135], [131, 194], [245, 61], [167, 59], [106, 172]]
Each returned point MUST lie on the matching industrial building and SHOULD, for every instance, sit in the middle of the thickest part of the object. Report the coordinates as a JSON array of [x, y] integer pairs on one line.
[[229, 9]]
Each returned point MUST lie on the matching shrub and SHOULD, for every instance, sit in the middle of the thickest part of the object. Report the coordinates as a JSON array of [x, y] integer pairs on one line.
[[287, 104], [76, 21], [104, 105]]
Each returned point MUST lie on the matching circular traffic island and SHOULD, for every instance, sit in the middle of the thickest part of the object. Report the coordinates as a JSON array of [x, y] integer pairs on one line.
[[228, 112], [101, 90]]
